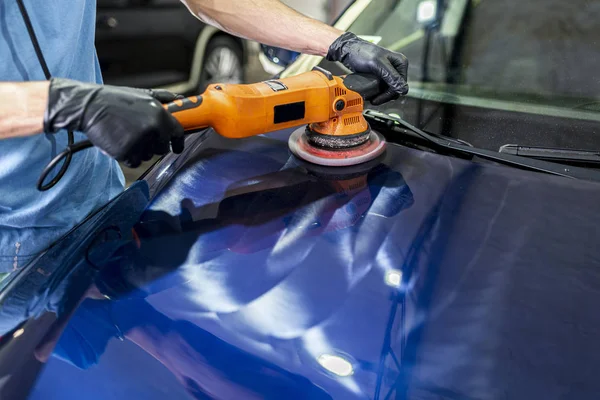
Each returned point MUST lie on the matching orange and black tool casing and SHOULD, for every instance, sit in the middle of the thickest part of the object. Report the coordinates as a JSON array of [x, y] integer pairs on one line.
[[316, 98]]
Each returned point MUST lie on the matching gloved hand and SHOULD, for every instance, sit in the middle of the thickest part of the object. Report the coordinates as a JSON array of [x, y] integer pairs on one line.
[[128, 124], [365, 57]]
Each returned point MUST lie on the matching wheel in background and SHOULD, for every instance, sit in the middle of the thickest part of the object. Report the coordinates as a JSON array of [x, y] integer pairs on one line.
[[223, 63]]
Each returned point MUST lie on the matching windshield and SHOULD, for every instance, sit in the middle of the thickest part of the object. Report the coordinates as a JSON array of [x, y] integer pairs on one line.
[[539, 51], [494, 72]]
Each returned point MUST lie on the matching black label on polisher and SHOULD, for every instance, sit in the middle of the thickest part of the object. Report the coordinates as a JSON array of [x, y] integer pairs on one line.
[[288, 112]]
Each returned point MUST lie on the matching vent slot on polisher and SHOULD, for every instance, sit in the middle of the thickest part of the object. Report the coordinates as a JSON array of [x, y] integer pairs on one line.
[[340, 92], [351, 121], [354, 102]]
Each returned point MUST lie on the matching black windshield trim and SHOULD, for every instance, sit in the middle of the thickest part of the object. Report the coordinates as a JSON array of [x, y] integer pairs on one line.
[[386, 121]]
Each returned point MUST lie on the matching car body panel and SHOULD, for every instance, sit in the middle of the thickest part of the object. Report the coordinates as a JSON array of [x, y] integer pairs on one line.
[[38, 300], [433, 276]]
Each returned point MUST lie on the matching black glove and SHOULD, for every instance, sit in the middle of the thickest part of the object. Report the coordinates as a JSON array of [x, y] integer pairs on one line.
[[362, 56], [128, 124]]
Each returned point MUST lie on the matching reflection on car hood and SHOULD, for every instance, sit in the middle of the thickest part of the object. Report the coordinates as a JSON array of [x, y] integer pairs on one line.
[[251, 276]]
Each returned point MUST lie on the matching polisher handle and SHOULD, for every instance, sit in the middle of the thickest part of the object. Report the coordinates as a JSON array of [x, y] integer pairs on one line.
[[184, 104], [367, 85], [190, 113]]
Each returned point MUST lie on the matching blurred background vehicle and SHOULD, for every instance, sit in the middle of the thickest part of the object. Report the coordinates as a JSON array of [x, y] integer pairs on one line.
[[275, 59], [158, 43]]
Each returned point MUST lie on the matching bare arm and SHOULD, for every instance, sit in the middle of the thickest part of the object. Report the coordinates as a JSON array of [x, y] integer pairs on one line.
[[126, 124], [267, 21], [272, 23], [22, 109]]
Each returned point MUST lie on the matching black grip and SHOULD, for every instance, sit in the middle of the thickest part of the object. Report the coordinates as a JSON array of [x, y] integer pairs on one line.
[[367, 85], [184, 104]]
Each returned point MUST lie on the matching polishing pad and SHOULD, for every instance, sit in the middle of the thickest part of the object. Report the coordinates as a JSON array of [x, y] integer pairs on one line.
[[301, 147]]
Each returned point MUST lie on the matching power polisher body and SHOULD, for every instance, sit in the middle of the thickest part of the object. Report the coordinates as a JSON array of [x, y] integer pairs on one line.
[[336, 134]]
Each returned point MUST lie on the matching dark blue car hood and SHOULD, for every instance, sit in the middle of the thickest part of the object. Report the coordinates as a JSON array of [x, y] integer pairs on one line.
[[431, 277]]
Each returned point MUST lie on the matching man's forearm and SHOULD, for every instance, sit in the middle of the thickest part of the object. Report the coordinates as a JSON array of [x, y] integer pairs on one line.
[[267, 21], [22, 108]]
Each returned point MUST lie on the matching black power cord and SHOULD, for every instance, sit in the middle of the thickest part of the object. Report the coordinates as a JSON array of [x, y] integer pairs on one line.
[[72, 147]]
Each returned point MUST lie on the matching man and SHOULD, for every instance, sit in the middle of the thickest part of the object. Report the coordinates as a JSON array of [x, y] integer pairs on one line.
[[128, 125]]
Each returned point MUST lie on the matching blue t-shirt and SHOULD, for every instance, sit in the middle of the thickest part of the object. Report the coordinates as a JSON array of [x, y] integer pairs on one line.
[[31, 220]]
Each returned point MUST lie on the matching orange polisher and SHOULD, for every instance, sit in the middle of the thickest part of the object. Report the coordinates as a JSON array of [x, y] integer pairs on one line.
[[336, 133]]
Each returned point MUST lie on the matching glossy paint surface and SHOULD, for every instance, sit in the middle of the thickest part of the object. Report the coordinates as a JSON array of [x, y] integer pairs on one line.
[[250, 276]]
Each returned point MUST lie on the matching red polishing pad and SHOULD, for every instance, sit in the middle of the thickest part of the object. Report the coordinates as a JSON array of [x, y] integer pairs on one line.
[[301, 147]]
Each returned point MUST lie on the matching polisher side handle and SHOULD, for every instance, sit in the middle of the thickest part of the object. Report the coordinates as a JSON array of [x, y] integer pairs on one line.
[[368, 86]]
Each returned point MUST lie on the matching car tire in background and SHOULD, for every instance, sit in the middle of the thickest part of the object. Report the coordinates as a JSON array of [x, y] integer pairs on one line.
[[223, 62]]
